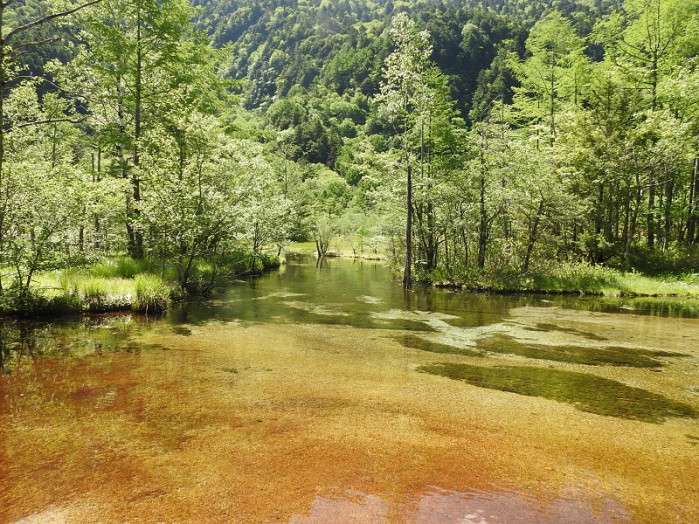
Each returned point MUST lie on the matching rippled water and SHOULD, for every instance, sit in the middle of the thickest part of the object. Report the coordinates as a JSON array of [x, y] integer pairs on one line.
[[325, 393]]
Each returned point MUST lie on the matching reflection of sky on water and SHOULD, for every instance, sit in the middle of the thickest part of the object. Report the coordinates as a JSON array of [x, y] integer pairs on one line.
[[440, 506]]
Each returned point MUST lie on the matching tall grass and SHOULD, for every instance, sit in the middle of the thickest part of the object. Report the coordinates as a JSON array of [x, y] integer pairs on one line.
[[123, 267], [112, 285], [122, 283], [152, 294]]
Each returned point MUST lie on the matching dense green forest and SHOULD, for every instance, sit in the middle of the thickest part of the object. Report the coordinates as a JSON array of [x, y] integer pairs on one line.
[[468, 141]]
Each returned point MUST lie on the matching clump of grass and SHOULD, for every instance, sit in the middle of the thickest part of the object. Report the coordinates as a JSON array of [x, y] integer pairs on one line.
[[683, 284], [124, 283], [123, 267], [580, 277], [103, 288], [152, 294], [97, 294]]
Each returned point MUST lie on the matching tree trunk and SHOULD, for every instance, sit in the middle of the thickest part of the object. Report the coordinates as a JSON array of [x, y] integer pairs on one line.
[[3, 81], [483, 225], [693, 220], [138, 233], [407, 275], [533, 235], [464, 238], [650, 220], [669, 194], [632, 223]]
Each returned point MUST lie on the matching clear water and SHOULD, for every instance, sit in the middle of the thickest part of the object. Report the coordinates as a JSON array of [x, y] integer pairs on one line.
[[325, 393]]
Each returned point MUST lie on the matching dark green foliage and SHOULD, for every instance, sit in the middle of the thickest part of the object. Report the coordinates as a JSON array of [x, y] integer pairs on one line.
[[281, 44], [278, 44], [56, 38]]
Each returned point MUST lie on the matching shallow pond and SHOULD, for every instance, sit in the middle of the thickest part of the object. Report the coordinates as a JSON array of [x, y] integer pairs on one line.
[[324, 393]]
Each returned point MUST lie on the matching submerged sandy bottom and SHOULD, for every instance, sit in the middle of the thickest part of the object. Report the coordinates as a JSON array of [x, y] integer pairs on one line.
[[303, 423]]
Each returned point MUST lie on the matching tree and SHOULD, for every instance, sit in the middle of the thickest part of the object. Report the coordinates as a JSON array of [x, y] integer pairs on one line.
[[647, 45], [405, 94], [553, 73], [13, 46], [43, 189], [131, 62], [195, 182]]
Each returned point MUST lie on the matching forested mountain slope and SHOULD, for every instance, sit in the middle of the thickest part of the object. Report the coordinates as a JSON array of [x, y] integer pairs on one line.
[[277, 44]]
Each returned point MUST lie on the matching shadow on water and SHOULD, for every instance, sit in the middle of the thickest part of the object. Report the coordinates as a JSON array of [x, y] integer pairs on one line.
[[593, 356], [548, 328], [586, 392], [415, 342], [507, 345]]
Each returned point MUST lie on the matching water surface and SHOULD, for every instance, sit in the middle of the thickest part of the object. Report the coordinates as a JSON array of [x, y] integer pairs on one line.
[[324, 393]]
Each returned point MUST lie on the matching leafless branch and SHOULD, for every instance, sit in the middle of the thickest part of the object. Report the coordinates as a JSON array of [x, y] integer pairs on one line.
[[36, 43], [44, 122]]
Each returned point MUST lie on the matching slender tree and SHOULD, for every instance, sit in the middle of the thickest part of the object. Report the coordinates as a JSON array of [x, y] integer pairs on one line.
[[406, 94], [553, 74]]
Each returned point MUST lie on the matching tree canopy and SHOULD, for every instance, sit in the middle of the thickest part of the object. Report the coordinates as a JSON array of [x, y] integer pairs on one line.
[[459, 137]]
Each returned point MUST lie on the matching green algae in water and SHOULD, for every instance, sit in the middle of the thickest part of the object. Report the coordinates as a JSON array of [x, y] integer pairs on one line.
[[415, 342], [593, 356], [586, 392], [547, 328]]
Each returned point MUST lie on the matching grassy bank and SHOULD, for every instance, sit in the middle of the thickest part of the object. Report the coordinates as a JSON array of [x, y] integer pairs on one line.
[[553, 278], [572, 278], [124, 284]]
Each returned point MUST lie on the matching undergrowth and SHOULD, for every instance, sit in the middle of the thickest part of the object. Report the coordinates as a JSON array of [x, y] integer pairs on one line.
[[579, 278], [123, 284]]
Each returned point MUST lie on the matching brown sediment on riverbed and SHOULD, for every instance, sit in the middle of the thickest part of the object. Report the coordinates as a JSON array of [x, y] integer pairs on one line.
[[320, 422]]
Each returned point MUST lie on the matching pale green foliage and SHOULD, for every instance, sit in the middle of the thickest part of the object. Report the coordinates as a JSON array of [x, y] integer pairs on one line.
[[403, 89], [206, 194], [656, 35], [553, 75], [325, 197], [265, 214], [42, 191]]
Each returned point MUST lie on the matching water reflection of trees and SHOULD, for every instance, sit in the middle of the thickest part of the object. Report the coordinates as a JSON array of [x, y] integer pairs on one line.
[[22, 340]]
